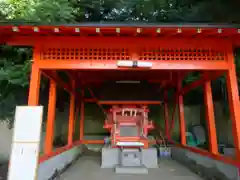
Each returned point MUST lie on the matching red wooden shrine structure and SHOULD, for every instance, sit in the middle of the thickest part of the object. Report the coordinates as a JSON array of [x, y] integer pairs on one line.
[[89, 54], [131, 118]]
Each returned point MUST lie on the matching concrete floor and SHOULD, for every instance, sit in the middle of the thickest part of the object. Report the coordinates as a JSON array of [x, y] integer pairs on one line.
[[88, 168]]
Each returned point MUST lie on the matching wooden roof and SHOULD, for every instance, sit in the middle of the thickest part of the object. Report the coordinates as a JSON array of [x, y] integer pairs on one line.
[[197, 30]]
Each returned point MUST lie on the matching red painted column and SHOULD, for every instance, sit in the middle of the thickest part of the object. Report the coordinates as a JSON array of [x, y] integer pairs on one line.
[[166, 115], [209, 113], [181, 115], [234, 105], [233, 98], [48, 148], [33, 97], [71, 115], [82, 118]]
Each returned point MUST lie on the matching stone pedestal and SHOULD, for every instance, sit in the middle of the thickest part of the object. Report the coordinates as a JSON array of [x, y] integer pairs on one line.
[[138, 159]]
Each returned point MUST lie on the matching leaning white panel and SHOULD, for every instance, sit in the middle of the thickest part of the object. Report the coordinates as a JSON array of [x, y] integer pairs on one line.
[[25, 145], [27, 125], [23, 161]]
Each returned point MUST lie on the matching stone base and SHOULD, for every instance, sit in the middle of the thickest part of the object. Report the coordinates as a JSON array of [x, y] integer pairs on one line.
[[130, 157], [150, 158], [111, 157]]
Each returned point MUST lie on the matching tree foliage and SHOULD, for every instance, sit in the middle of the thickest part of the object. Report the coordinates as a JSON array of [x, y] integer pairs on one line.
[[15, 62], [14, 70], [158, 10], [45, 11], [122, 10]]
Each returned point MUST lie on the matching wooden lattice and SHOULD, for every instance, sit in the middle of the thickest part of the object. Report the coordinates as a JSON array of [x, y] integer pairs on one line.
[[182, 54], [85, 54], [150, 54]]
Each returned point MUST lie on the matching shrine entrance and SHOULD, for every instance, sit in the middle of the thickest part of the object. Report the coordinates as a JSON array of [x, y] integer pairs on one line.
[[161, 56]]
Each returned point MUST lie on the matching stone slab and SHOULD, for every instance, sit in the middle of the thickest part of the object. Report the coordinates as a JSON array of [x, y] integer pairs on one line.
[[131, 170], [150, 158], [110, 157]]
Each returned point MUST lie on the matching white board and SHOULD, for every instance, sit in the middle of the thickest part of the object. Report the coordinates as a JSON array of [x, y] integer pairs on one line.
[[27, 125], [25, 145], [24, 160]]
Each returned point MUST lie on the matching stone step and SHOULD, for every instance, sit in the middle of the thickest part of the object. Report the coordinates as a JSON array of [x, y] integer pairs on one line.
[[131, 170]]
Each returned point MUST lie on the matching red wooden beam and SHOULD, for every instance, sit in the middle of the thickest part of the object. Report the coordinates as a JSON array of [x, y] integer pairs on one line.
[[166, 115], [72, 75], [69, 41], [50, 118], [234, 104], [112, 65], [101, 76], [209, 114], [173, 113], [92, 141], [182, 125], [34, 86], [82, 112], [130, 102], [99, 105], [205, 77], [53, 76], [71, 114]]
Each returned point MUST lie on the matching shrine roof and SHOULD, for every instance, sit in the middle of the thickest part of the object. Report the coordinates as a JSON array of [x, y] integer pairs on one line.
[[13, 29], [121, 24]]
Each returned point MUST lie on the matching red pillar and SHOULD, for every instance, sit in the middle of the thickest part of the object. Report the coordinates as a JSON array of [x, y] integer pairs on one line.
[[71, 115], [233, 98], [181, 115], [166, 116], [209, 113], [51, 118], [82, 118], [234, 106], [33, 97]]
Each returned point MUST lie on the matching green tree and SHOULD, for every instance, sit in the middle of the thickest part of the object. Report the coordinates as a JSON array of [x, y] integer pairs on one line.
[[14, 70], [44, 11], [15, 63]]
